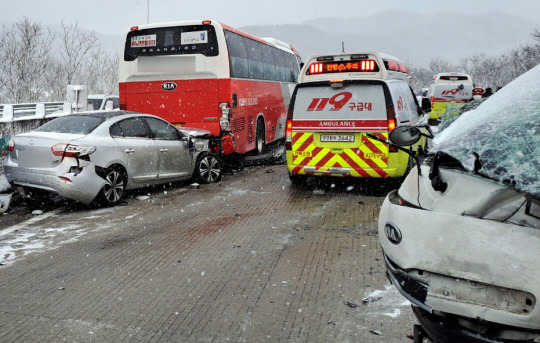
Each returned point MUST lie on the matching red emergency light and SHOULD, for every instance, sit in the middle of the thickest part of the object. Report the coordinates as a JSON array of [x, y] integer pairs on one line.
[[342, 67]]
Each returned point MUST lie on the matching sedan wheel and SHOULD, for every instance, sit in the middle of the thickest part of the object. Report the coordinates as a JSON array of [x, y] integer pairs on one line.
[[208, 168], [113, 190]]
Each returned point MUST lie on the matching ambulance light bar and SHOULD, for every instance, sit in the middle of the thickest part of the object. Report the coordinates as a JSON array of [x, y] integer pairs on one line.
[[366, 65]]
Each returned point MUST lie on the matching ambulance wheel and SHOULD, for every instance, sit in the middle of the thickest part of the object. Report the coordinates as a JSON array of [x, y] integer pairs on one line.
[[260, 138], [297, 180]]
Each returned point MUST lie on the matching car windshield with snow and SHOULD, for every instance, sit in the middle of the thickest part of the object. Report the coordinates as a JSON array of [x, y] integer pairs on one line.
[[96, 156], [461, 235]]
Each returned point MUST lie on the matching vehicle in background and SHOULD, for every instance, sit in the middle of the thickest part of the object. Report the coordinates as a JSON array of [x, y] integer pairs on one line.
[[208, 75], [339, 102], [100, 102], [461, 236], [96, 156], [448, 88]]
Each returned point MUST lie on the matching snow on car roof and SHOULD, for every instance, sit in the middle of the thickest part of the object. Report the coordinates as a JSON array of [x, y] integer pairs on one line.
[[504, 132]]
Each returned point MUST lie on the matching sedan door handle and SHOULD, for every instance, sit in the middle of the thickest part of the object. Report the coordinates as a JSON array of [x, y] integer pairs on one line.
[[130, 151], [163, 150]]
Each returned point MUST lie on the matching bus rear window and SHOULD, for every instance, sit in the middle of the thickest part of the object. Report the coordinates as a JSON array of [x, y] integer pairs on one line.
[[178, 40]]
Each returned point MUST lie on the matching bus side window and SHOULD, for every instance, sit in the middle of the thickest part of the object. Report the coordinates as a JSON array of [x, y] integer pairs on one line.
[[293, 68], [279, 58], [255, 59], [237, 55], [268, 63]]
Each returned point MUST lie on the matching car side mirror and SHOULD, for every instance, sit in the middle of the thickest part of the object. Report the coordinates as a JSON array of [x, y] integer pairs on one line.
[[188, 140], [425, 106], [405, 135]]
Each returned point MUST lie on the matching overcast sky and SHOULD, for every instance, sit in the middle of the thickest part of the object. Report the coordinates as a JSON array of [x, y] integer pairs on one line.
[[116, 16]]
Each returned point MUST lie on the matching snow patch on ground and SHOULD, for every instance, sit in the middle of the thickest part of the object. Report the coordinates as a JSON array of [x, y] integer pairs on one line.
[[39, 240]]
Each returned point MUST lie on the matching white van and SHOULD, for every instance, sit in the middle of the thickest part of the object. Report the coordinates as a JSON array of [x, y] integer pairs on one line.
[[448, 88], [339, 101]]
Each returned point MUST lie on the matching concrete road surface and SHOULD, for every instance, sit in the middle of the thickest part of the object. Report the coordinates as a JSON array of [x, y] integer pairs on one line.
[[252, 259]]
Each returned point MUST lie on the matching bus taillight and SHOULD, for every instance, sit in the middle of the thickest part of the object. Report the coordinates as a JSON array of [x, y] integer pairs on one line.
[[224, 120]]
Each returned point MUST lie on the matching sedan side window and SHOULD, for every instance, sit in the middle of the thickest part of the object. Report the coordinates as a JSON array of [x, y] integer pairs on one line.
[[133, 128], [162, 130]]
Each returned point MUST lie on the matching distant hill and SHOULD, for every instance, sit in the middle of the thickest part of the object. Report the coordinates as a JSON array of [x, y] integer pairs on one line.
[[414, 38]]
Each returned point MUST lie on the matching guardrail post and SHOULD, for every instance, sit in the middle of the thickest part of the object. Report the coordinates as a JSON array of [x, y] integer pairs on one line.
[[40, 110], [8, 112], [66, 108]]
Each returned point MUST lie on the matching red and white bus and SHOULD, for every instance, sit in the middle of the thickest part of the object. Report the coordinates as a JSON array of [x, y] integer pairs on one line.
[[208, 75]]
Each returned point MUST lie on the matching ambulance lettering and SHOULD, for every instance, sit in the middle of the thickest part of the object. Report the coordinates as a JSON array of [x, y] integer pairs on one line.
[[454, 92], [336, 124], [337, 102]]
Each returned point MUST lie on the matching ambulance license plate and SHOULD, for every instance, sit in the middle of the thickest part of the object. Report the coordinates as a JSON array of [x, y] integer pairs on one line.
[[337, 138]]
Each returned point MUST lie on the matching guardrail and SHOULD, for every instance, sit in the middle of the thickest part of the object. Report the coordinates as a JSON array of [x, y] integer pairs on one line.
[[15, 112], [19, 118]]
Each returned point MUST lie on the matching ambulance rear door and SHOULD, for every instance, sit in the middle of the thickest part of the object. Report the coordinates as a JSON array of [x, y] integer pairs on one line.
[[329, 126]]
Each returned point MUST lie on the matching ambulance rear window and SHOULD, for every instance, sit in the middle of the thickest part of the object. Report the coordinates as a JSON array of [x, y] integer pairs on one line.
[[454, 78]]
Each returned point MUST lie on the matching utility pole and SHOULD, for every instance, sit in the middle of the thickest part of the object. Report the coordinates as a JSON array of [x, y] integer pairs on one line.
[[148, 11]]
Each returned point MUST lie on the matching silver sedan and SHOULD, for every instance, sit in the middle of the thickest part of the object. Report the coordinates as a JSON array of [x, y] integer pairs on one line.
[[96, 156]]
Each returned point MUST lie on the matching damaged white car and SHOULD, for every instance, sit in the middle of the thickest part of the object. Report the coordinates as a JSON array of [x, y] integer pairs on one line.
[[461, 237], [96, 156]]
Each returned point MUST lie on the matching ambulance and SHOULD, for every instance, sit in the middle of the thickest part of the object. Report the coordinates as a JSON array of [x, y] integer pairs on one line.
[[448, 88], [339, 100]]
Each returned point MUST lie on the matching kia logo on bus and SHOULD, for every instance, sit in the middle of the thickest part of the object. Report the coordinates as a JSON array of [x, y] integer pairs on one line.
[[392, 233], [168, 86]]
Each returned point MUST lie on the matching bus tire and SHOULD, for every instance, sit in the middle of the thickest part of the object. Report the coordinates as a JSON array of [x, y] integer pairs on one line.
[[260, 145]]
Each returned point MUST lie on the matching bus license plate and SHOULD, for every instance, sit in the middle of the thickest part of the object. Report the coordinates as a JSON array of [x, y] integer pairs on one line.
[[337, 138]]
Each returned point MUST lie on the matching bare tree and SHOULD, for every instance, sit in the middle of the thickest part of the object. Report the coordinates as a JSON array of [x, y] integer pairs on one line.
[[438, 65], [421, 78], [75, 49], [101, 72], [24, 59]]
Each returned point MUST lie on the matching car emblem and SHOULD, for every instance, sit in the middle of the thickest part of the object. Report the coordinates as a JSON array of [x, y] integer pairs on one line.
[[392, 233], [168, 86], [31, 142]]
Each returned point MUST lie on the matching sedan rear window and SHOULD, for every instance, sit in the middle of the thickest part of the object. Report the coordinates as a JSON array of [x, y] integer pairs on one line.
[[72, 124]]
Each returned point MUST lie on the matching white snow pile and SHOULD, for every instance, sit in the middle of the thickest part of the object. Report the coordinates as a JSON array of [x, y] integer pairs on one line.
[[504, 132], [4, 184]]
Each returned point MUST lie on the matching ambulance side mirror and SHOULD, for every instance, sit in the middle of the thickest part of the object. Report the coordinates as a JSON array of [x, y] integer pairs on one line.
[[405, 135], [425, 106]]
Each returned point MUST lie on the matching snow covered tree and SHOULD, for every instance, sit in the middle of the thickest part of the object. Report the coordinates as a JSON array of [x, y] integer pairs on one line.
[[24, 60]]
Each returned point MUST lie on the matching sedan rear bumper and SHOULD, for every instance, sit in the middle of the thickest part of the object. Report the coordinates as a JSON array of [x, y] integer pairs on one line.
[[82, 186]]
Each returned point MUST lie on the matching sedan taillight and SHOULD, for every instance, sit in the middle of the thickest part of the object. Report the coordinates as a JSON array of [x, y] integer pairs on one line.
[[11, 145], [68, 150]]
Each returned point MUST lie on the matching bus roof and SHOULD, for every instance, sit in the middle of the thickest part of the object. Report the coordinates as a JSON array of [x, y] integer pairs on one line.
[[356, 65], [267, 40]]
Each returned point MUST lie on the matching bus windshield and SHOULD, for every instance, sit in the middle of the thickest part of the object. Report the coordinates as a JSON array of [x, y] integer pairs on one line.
[[177, 40]]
